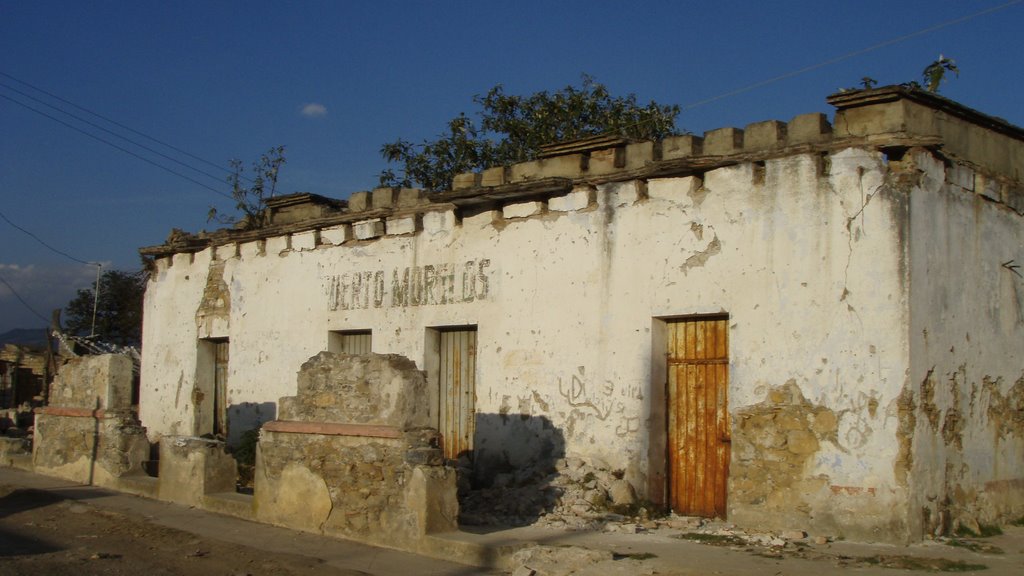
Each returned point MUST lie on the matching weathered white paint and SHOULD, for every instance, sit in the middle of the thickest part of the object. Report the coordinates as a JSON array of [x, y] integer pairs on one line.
[[831, 268]]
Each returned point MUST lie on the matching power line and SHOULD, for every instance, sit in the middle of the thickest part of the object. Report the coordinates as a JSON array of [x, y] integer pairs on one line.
[[40, 240], [112, 133], [22, 300], [116, 123], [850, 55], [121, 148]]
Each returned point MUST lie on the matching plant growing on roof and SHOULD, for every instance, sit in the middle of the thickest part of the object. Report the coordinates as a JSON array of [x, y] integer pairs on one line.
[[251, 194], [513, 128]]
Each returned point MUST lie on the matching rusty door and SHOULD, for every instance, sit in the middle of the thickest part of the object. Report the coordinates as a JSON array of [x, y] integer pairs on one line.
[[698, 414], [220, 388], [457, 376]]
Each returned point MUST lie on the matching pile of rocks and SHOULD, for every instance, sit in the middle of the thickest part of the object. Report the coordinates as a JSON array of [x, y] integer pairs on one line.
[[578, 494]]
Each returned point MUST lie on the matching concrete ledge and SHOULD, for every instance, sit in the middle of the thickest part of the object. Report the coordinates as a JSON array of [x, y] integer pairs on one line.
[[333, 429], [230, 503], [139, 485]]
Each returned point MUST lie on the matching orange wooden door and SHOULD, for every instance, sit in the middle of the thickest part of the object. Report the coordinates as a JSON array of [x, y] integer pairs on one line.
[[699, 434]]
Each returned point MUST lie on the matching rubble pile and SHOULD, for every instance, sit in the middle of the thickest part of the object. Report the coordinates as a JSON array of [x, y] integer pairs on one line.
[[577, 495]]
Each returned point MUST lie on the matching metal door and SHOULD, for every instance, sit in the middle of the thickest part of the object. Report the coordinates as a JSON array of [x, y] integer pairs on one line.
[[699, 433], [220, 388], [457, 378]]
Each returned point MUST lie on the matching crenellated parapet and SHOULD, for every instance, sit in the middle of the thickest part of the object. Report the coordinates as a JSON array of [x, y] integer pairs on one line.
[[985, 155]]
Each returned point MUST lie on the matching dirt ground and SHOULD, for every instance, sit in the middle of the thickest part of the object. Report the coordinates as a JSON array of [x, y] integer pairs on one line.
[[50, 527], [42, 534]]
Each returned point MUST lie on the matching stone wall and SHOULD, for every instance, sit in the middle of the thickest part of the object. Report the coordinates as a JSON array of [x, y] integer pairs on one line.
[[350, 454], [88, 433]]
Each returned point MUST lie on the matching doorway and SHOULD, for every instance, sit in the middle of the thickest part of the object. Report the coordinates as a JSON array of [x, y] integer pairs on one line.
[[699, 437]]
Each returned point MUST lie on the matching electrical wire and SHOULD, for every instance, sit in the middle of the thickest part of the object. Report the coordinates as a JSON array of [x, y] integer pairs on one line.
[[40, 240], [22, 300], [849, 55], [116, 123], [828, 62], [121, 148], [112, 133]]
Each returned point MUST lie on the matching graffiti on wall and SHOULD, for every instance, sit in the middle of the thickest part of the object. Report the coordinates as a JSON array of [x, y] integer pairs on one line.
[[430, 285], [606, 401]]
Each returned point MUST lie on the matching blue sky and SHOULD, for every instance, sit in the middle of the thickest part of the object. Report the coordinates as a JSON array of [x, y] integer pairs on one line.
[[226, 80]]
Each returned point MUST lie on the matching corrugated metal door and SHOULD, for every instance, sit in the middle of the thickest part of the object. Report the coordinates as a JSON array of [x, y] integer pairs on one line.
[[457, 376], [699, 434], [220, 389]]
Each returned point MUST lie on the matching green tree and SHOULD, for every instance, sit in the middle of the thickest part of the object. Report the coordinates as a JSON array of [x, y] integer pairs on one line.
[[118, 310], [251, 194], [513, 128]]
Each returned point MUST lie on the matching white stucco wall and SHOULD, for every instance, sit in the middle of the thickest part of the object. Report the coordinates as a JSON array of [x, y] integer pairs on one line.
[[967, 344], [806, 263]]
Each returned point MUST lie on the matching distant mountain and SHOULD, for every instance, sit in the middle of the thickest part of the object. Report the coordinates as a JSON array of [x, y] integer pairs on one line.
[[25, 337]]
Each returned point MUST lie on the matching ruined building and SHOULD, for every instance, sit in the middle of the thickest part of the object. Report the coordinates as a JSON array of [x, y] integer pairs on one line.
[[798, 324]]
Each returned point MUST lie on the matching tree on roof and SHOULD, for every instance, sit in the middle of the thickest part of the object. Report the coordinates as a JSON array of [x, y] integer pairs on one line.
[[513, 128]]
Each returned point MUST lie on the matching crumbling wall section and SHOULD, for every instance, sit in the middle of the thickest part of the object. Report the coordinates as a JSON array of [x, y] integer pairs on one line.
[[89, 434], [965, 400], [351, 454]]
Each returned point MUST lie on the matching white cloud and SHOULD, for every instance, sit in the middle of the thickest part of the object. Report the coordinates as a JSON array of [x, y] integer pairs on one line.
[[313, 110], [44, 288]]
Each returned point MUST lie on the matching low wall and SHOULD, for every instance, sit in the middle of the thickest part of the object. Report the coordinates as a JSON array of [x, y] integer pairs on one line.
[[351, 455], [88, 433]]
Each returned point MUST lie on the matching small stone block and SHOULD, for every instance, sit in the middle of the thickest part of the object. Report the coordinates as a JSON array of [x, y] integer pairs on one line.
[[397, 226], [675, 189], [559, 166], [988, 188], [961, 176], [250, 249], [409, 197], [226, 251], [383, 197], [493, 176], [575, 200], [639, 154], [359, 201], [522, 209], [434, 222], [621, 193], [465, 180], [304, 240], [336, 234], [762, 135], [681, 146], [368, 229], [203, 257], [604, 161], [182, 259], [808, 128], [485, 218], [723, 141], [278, 244]]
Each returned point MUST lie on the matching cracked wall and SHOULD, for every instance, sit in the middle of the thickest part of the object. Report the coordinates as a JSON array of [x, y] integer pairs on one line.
[[963, 424]]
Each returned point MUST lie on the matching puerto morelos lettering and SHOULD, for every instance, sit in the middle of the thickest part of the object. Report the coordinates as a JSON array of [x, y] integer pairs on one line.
[[430, 285]]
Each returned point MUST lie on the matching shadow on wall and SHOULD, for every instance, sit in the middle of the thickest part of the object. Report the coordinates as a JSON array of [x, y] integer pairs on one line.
[[248, 416], [507, 478]]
